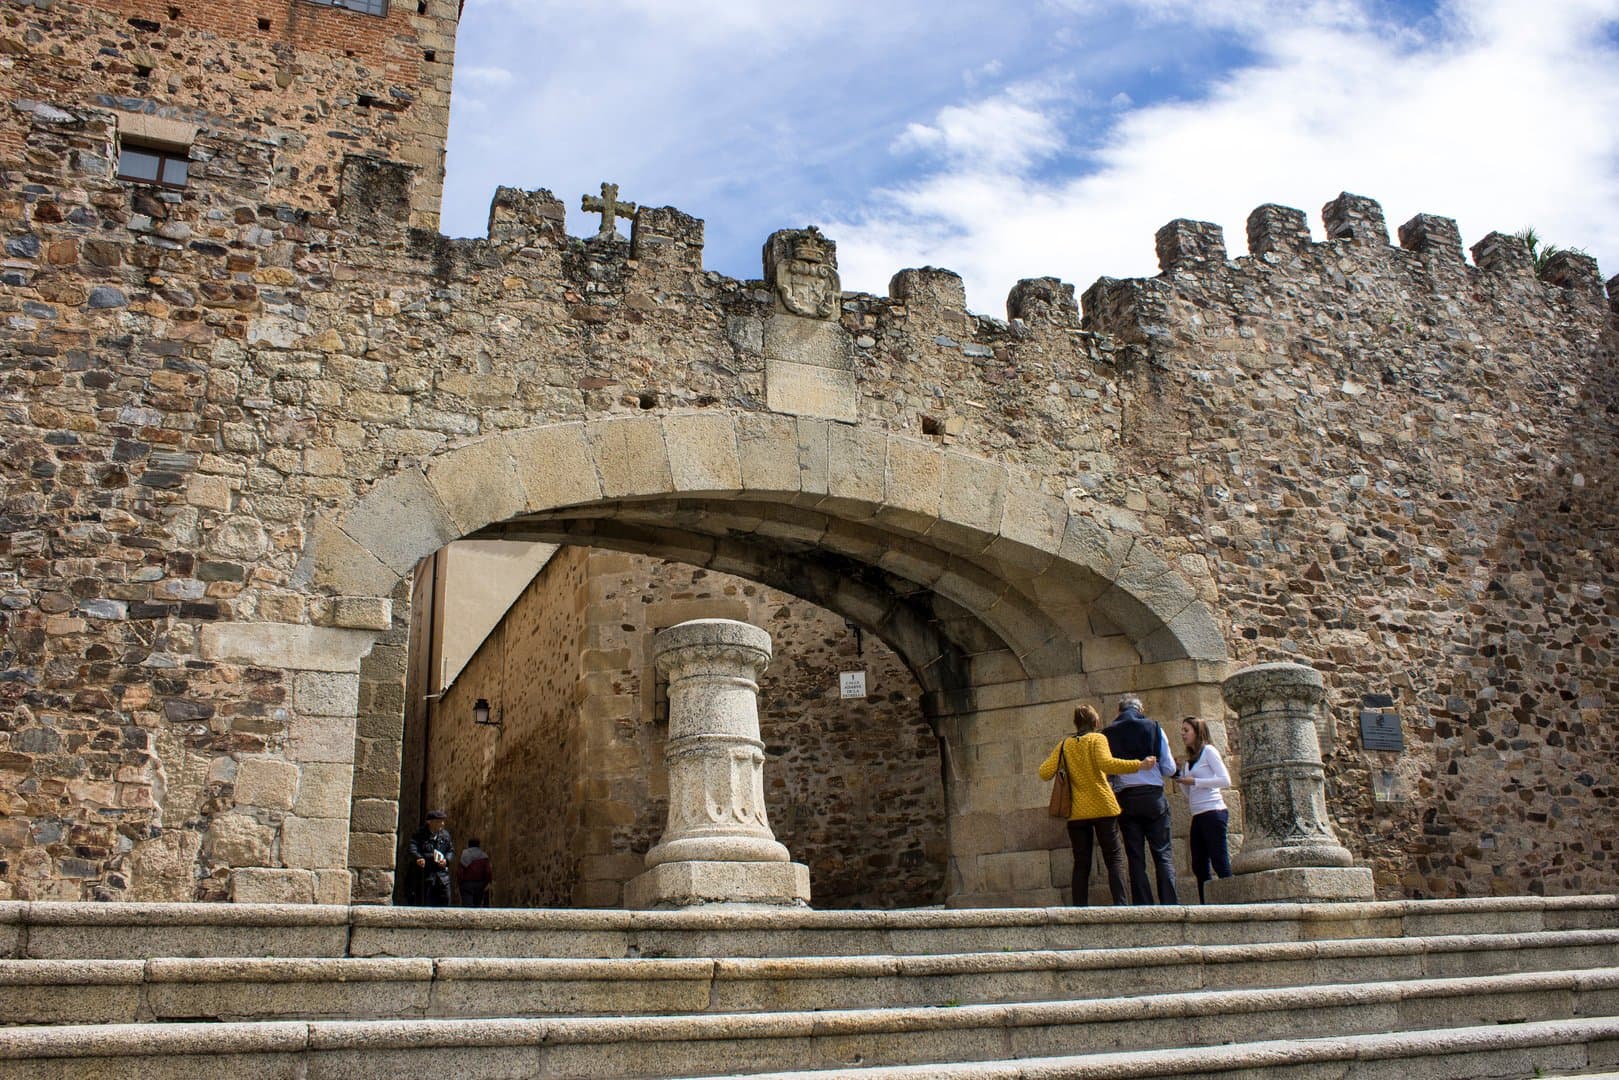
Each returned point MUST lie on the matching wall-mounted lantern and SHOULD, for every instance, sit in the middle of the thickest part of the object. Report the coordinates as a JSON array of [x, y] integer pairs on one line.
[[481, 713]]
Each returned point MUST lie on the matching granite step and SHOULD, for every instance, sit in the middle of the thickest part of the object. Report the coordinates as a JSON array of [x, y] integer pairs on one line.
[[1554, 1048], [44, 930], [236, 989], [744, 1044]]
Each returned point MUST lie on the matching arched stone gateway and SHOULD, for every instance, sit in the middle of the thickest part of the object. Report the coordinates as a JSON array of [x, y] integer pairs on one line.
[[1006, 603], [235, 413]]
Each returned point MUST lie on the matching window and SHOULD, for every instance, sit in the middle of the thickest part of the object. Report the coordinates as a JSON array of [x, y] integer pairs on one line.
[[365, 7], [149, 165]]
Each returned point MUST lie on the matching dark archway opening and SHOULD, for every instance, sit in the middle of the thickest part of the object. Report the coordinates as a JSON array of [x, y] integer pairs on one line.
[[567, 790]]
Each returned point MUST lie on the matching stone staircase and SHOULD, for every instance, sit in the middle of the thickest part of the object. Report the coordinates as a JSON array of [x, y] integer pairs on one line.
[[1510, 987]]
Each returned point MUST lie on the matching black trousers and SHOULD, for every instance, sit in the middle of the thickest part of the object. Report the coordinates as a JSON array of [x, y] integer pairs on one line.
[[436, 890], [1084, 834], [1209, 847], [1145, 817]]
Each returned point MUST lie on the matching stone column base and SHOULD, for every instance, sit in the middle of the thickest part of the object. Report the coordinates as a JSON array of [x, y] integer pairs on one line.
[[1293, 885], [687, 884]]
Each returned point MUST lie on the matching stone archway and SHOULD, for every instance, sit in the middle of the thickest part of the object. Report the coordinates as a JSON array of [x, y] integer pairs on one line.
[[1008, 604]]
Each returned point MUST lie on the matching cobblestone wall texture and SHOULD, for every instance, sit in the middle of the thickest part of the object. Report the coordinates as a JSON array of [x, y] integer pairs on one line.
[[231, 419]]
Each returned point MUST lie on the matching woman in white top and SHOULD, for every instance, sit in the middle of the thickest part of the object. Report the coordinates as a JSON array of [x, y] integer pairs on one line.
[[1202, 778]]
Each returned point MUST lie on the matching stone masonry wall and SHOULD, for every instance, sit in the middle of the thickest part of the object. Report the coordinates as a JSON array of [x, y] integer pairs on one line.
[[311, 81], [518, 787], [1403, 468], [1386, 460], [852, 785]]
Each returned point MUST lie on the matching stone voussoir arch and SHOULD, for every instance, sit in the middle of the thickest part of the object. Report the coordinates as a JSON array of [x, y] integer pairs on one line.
[[977, 531], [987, 587]]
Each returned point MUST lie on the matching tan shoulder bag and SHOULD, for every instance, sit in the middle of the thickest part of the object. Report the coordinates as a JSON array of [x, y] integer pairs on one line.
[[1062, 797]]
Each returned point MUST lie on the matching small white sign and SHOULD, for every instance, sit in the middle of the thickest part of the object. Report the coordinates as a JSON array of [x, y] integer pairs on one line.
[[852, 683]]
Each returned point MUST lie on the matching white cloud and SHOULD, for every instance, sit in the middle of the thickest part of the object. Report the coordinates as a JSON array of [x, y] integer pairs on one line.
[[1003, 132], [485, 76], [1499, 114]]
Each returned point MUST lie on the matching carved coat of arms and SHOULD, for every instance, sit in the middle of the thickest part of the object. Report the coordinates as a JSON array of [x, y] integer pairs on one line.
[[806, 280]]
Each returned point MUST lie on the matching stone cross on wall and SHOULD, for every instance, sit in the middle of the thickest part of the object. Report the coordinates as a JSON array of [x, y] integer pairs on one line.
[[609, 208]]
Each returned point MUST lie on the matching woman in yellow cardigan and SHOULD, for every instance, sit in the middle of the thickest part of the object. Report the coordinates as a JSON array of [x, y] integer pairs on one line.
[[1093, 815]]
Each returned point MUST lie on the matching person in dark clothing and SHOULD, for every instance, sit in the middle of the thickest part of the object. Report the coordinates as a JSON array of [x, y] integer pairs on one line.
[[477, 873], [1143, 810], [431, 850]]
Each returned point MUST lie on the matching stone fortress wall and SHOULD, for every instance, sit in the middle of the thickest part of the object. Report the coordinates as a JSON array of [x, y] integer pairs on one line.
[[232, 419]]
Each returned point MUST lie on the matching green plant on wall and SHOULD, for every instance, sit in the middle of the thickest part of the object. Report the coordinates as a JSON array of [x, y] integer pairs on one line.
[[1540, 252]]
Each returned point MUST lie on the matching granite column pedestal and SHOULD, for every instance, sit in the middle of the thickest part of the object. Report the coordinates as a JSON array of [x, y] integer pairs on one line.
[[1289, 851], [717, 846]]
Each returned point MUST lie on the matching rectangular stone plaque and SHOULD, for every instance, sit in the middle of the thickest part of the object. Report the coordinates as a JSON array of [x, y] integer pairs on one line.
[[809, 368], [811, 390], [852, 684], [1381, 731]]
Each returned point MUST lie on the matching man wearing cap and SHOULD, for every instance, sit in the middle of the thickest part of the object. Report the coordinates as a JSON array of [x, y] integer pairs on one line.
[[432, 849]]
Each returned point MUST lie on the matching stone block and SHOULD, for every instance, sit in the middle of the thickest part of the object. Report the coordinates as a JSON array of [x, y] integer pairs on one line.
[[973, 496], [1193, 634], [976, 834], [321, 738], [362, 612], [237, 840], [333, 886], [77, 992], [399, 520], [286, 645], [478, 484], [630, 456], [315, 843], [335, 561], [1033, 519], [323, 790], [556, 466], [1115, 651], [1094, 549], [1014, 871], [857, 462], [702, 453], [1146, 595], [1293, 885], [375, 815], [267, 886], [323, 693], [814, 464], [1033, 829], [969, 586], [266, 782], [912, 489], [122, 931], [767, 447], [373, 850], [693, 883], [819, 390]]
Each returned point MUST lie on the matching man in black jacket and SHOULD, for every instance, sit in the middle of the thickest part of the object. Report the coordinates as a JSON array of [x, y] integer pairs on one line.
[[1144, 812], [431, 850]]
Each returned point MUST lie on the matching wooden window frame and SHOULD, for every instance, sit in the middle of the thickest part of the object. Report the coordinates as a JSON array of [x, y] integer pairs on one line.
[[164, 155]]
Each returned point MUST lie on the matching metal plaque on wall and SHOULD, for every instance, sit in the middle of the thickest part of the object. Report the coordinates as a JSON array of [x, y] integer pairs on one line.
[[1381, 731]]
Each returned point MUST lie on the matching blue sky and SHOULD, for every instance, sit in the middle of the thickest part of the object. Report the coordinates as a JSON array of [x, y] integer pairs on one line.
[[1009, 140]]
